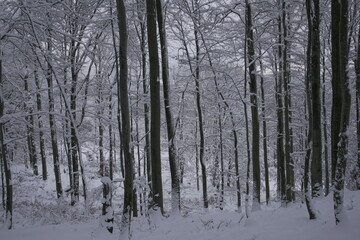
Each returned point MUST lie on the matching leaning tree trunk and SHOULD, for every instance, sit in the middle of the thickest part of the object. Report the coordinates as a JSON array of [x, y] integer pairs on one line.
[[175, 183]]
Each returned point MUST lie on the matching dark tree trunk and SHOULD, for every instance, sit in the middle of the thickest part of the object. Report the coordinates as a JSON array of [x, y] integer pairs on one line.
[[72, 115], [196, 158], [336, 87], [221, 146], [107, 211], [174, 169], [30, 129], [5, 161], [286, 81], [280, 153], [125, 117], [40, 125], [254, 110], [264, 129], [316, 162], [52, 122], [157, 192], [199, 111], [308, 82], [357, 70], [325, 136], [101, 133], [340, 27], [111, 139]]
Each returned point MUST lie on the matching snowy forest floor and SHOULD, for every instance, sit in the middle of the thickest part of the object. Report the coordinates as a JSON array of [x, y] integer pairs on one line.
[[38, 216]]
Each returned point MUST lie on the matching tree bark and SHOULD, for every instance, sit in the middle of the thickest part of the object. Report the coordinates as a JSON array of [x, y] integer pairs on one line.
[[340, 12], [30, 128], [125, 117], [5, 161], [264, 129], [308, 82], [199, 109], [52, 122], [336, 87], [325, 132], [254, 110], [287, 99], [280, 152], [357, 71], [316, 163], [154, 106], [174, 169], [40, 125]]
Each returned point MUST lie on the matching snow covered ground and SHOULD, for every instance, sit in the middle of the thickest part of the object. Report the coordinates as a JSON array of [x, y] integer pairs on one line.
[[271, 223]]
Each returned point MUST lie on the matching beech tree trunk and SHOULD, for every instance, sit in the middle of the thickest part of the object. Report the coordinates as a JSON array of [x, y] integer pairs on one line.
[[125, 117], [254, 110], [157, 192], [339, 13], [316, 162], [174, 168]]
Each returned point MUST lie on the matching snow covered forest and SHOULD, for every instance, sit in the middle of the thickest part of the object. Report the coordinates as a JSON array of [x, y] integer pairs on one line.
[[180, 119]]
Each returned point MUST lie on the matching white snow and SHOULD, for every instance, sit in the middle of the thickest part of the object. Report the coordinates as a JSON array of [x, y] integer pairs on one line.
[[271, 223]]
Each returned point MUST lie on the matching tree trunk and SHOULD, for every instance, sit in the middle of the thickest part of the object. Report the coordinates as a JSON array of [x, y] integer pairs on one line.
[[286, 81], [107, 211], [254, 111], [52, 122], [280, 153], [336, 87], [325, 137], [174, 169], [340, 27], [199, 111], [154, 106], [357, 71], [40, 125], [101, 132], [308, 81], [316, 163], [30, 128], [111, 139], [264, 129], [125, 117], [6, 163], [72, 115]]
